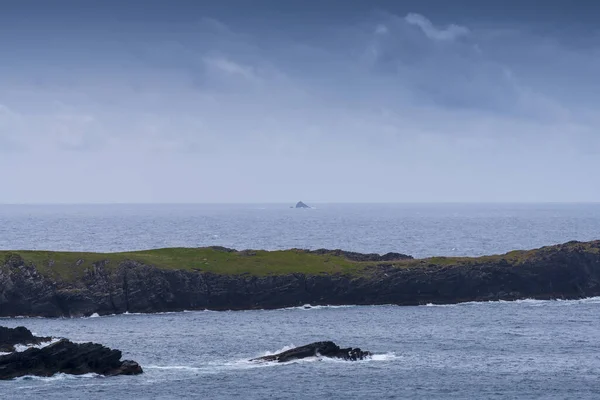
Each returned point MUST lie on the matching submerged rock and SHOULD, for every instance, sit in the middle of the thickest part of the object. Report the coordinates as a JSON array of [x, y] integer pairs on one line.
[[301, 205], [317, 349], [66, 357]]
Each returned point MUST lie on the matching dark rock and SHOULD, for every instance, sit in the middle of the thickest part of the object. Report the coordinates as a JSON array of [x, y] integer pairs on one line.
[[9, 337], [223, 249], [66, 357], [14, 260], [301, 205], [317, 349], [360, 257]]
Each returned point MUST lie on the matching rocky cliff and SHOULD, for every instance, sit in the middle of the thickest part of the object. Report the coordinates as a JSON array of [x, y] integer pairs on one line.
[[139, 283]]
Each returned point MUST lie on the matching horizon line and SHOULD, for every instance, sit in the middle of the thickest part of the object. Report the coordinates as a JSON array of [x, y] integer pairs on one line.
[[294, 202]]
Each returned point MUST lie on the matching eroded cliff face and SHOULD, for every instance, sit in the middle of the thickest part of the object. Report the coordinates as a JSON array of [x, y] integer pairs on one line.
[[565, 271]]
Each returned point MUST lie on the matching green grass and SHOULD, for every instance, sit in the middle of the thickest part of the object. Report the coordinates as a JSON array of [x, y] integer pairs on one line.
[[71, 266]]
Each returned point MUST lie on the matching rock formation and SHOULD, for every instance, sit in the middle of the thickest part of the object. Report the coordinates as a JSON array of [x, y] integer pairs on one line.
[[567, 271], [10, 337], [301, 205], [60, 357], [317, 349]]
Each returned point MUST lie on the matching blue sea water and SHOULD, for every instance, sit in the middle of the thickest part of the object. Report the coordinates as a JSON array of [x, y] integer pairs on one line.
[[501, 350]]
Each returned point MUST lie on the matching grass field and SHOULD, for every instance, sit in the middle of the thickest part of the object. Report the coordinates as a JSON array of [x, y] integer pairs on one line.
[[70, 265]]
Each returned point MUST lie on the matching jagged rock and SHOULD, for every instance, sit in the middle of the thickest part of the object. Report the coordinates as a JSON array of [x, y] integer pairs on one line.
[[317, 349], [372, 257], [63, 356], [14, 260], [9, 337], [301, 205]]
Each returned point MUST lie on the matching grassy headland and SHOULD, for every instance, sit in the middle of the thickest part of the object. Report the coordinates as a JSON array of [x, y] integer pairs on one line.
[[71, 265]]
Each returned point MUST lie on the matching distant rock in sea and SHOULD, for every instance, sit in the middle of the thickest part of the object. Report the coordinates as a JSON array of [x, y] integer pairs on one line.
[[301, 205], [317, 349]]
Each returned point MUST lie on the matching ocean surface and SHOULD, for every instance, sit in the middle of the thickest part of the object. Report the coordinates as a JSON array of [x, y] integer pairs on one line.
[[499, 350]]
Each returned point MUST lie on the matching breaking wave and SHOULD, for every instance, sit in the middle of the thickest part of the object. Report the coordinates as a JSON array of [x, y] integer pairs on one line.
[[529, 302], [311, 307], [21, 347], [56, 377], [214, 367]]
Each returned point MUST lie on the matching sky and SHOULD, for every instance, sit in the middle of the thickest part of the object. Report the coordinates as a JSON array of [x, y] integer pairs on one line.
[[244, 101]]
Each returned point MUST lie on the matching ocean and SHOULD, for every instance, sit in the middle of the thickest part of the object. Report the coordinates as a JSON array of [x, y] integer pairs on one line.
[[499, 350]]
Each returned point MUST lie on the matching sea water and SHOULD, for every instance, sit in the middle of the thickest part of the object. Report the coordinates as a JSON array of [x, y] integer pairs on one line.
[[499, 350]]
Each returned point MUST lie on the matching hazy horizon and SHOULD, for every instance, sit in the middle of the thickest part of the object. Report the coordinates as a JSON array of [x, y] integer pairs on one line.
[[396, 102], [291, 204]]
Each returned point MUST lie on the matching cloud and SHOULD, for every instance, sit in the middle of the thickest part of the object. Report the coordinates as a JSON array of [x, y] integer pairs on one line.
[[451, 32], [404, 109], [230, 67]]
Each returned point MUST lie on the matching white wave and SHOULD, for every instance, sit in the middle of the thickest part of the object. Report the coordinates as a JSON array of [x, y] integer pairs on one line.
[[284, 348], [209, 367], [56, 377], [530, 302], [311, 307], [173, 367], [383, 357], [214, 367], [22, 347], [95, 315]]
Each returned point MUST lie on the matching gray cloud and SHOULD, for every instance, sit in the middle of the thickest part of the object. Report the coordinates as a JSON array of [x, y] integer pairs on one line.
[[402, 107]]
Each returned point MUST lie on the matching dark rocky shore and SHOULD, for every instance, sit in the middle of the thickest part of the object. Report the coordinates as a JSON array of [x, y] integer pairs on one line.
[[62, 356], [570, 270]]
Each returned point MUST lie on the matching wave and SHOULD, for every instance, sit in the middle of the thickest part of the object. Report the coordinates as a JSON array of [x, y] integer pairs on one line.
[[127, 313], [383, 357], [214, 367], [530, 302], [56, 377], [311, 307], [306, 307], [22, 347]]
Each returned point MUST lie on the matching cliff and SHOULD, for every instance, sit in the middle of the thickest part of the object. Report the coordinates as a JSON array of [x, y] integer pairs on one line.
[[54, 284]]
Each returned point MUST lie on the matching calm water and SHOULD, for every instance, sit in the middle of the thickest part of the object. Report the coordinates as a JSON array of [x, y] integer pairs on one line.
[[414, 229], [527, 349]]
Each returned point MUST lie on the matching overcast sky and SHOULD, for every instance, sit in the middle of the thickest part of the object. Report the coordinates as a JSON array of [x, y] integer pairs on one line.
[[279, 101]]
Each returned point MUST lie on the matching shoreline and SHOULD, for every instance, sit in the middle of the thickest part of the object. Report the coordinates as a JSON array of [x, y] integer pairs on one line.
[[321, 307], [65, 284]]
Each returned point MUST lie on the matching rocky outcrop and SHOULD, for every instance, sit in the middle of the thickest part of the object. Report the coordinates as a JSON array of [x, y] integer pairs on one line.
[[361, 257], [301, 205], [62, 357], [317, 349], [10, 337], [567, 271]]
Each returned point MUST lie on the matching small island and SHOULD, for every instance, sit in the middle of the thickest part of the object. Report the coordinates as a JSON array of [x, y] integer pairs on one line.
[[318, 349], [71, 284], [301, 205]]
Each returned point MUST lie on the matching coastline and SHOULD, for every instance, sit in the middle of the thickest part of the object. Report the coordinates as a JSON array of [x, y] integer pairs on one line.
[[57, 284]]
